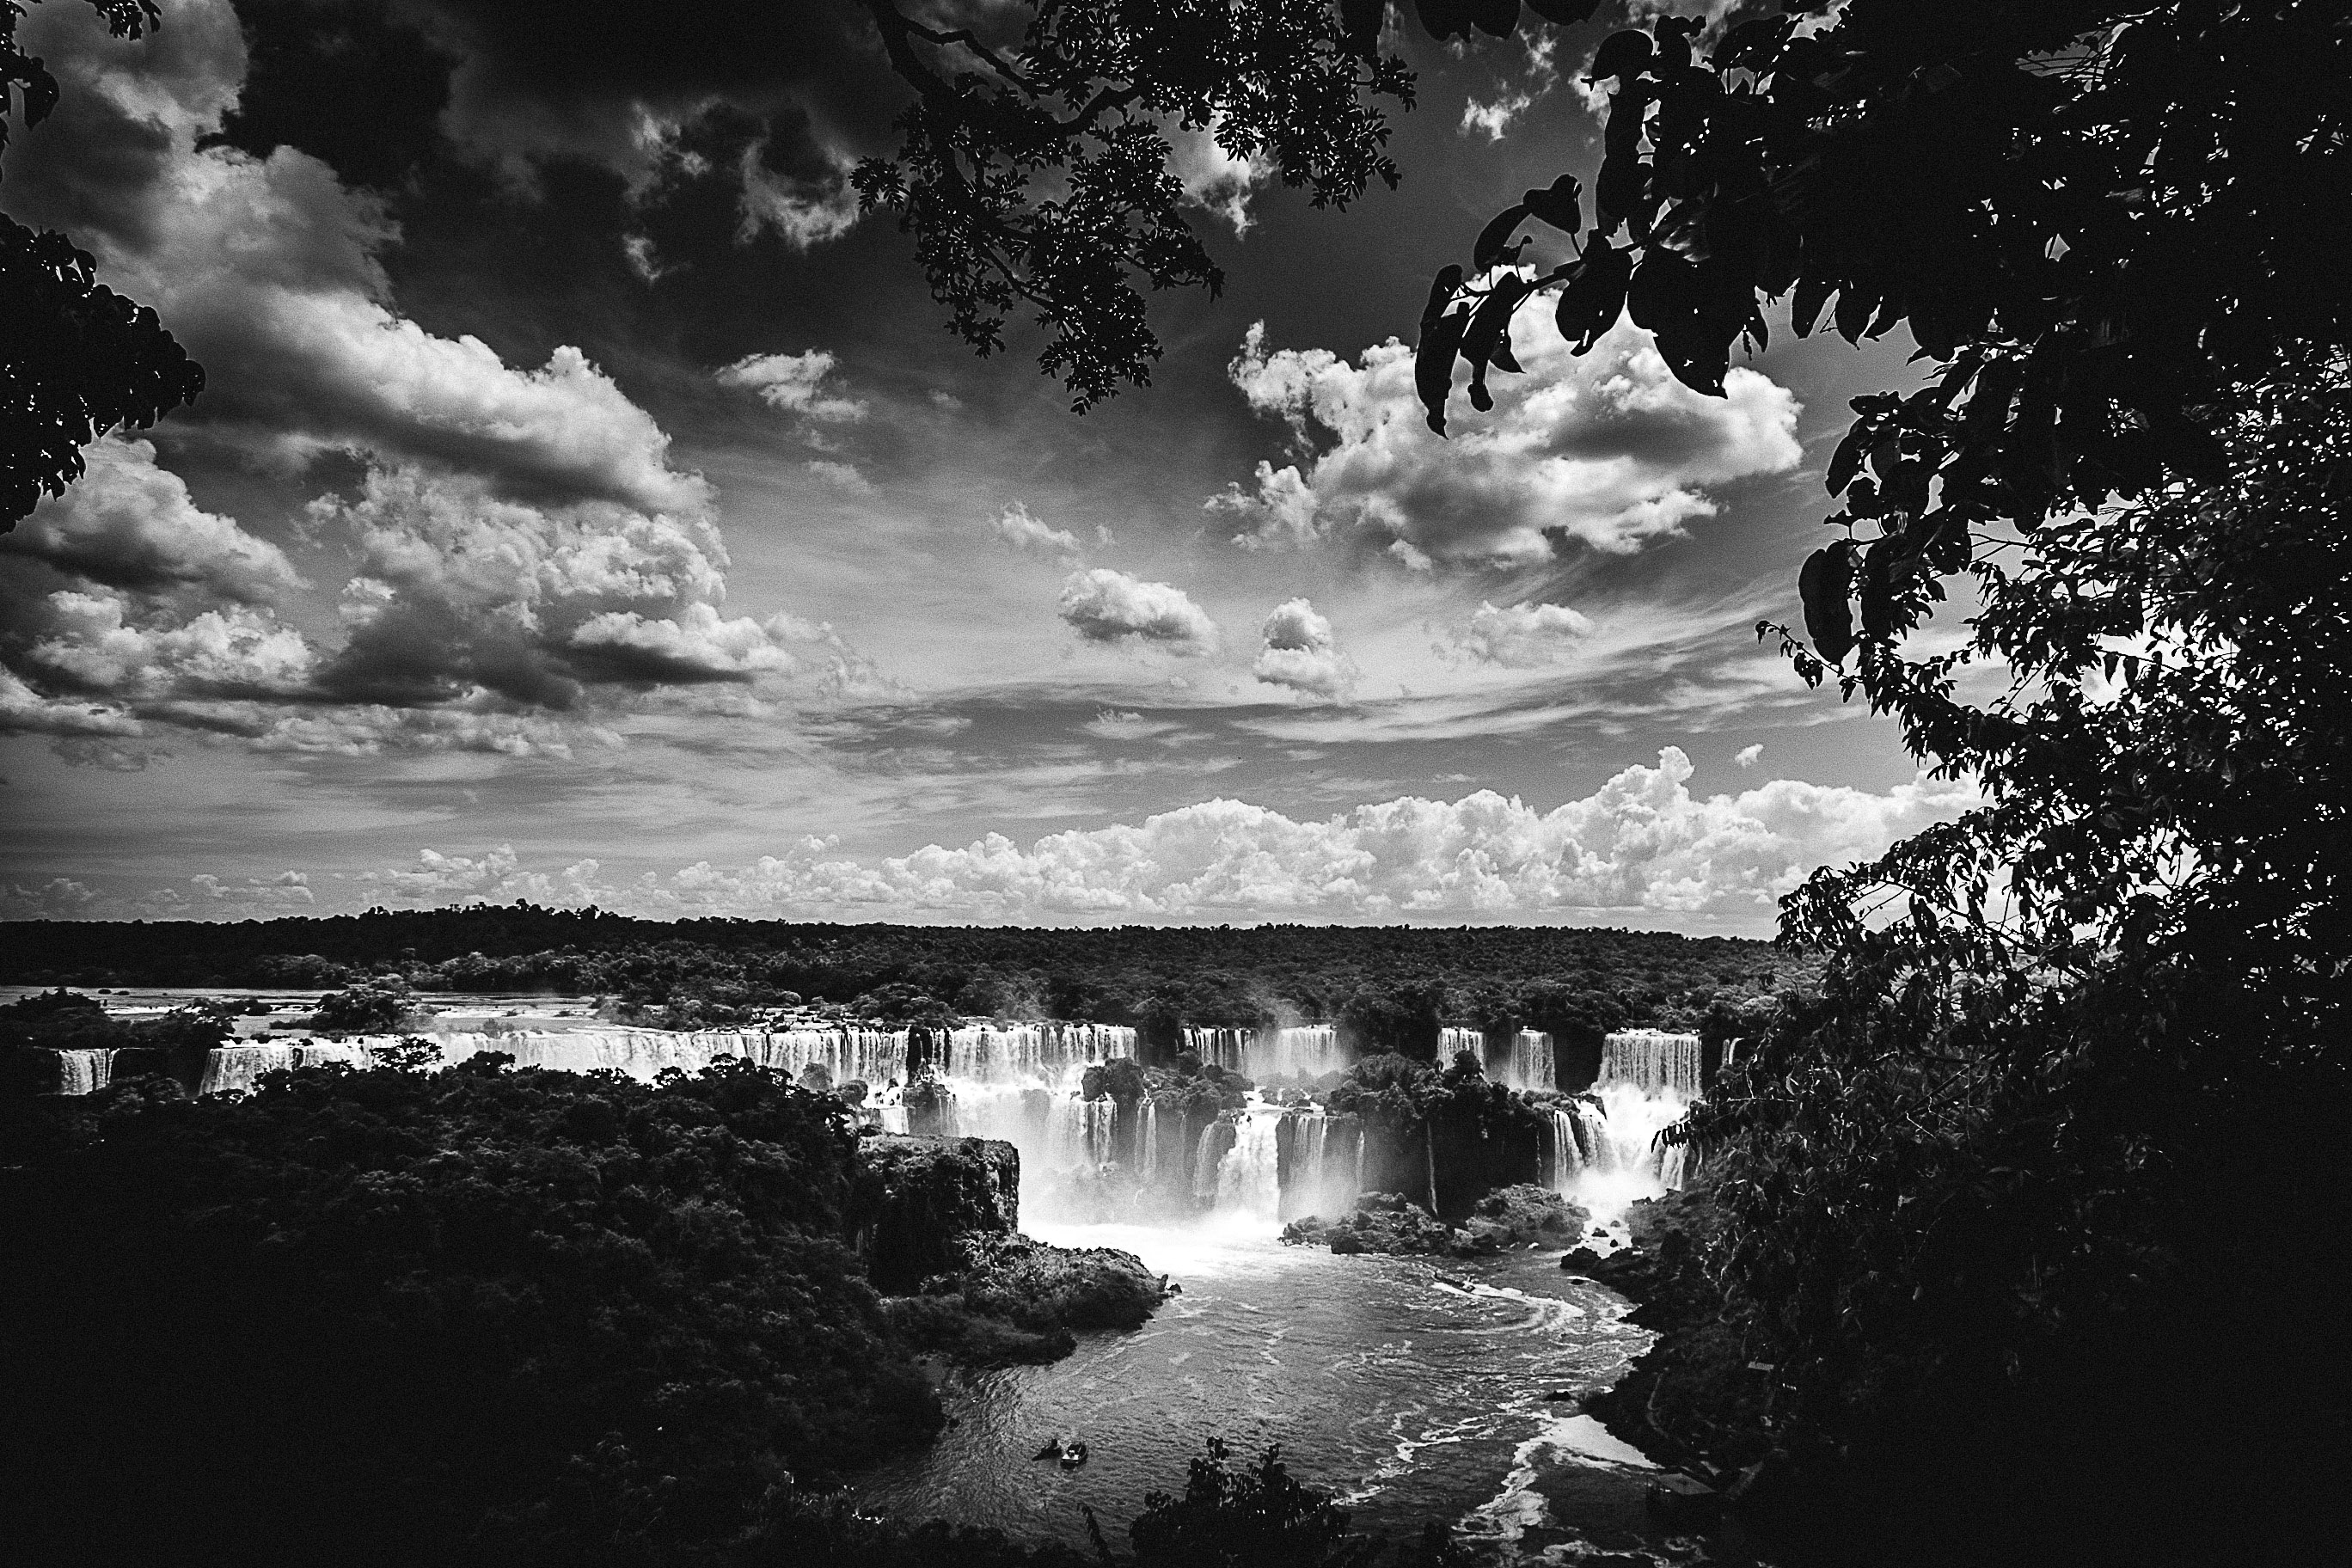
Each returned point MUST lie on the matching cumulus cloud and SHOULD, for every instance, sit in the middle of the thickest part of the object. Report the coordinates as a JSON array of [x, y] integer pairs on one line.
[[1494, 116], [1213, 178], [1015, 526], [93, 650], [525, 551], [1299, 649], [1107, 606], [287, 890], [801, 212], [59, 899], [1608, 450], [793, 382], [1518, 636], [269, 271], [1748, 756], [1640, 848], [130, 524]]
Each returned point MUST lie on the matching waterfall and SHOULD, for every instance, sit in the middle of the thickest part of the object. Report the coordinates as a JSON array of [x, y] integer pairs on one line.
[[1648, 1079], [1223, 1047], [1523, 1062], [1652, 1060], [85, 1071], [1247, 1179], [1323, 1174], [1563, 1156], [235, 1069], [1307, 1051], [1216, 1138], [1149, 1159], [1083, 1134]]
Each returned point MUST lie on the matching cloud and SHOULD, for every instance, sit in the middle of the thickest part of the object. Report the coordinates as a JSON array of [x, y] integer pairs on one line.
[[1518, 636], [1107, 606], [1213, 178], [93, 650], [1016, 527], [59, 899], [269, 271], [1297, 649], [801, 212], [792, 382], [129, 524], [1509, 102], [287, 890], [843, 477], [782, 100], [1641, 847], [1748, 756], [1608, 450]]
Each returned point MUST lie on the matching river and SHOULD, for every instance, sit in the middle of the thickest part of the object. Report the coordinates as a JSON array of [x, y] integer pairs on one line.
[[1415, 1389]]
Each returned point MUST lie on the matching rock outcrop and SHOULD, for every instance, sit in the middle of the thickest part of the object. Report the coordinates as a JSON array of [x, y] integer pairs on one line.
[[935, 1220], [1384, 1223], [921, 1197]]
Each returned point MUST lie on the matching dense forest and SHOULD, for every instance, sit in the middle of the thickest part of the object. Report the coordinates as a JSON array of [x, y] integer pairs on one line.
[[1390, 985], [491, 1316]]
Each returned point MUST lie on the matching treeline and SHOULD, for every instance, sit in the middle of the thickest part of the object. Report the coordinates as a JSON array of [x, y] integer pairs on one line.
[[1392, 986]]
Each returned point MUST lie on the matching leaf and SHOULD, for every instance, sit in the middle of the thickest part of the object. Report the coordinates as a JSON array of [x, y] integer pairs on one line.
[[1443, 19], [1433, 364], [1877, 590], [1622, 55], [1663, 294], [1564, 13], [1625, 180], [1488, 339], [1498, 19], [1359, 22], [1813, 291], [1441, 289], [1557, 205], [1823, 584], [1492, 239], [1595, 295]]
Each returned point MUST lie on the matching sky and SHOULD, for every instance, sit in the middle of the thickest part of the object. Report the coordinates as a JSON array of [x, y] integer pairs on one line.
[[588, 505]]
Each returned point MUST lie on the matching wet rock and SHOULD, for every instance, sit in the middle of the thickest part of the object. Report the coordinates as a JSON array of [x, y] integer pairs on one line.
[[1525, 1214]]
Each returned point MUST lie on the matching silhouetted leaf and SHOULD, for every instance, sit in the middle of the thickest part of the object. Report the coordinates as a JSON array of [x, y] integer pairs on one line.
[[1495, 237], [1622, 55], [1564, 13], [1433, 364], [1823, 585], [1556, 203], [1595, 294]]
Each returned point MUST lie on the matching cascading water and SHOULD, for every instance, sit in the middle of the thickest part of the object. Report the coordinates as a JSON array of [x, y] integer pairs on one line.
[[1082, 1136], [1216, 1139], [1307, 1050], [1248, 1174], [85, 1071], [237, 1068], [1326, 1161], [1649, 1077], [1221, 1046]]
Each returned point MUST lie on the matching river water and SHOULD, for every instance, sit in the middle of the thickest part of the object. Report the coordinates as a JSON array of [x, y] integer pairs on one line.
[[1412, 1388]]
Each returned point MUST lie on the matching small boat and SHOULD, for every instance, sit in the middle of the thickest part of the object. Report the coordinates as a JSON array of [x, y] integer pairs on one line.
[[1073, 1454]]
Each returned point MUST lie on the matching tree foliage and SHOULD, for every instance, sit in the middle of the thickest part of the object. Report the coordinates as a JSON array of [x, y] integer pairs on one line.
[[77, 359], [1035, 168]]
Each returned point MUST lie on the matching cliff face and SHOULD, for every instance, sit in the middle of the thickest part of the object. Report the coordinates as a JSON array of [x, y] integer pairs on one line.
[[920, 1197], [935, 1220]]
